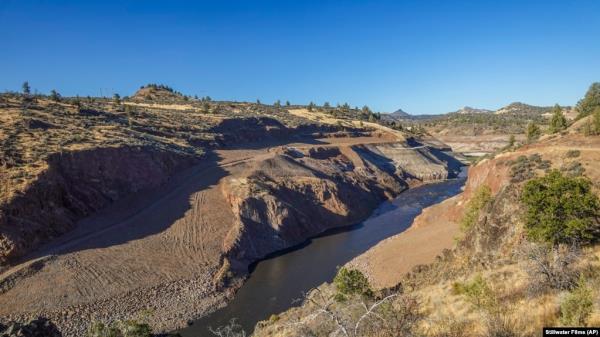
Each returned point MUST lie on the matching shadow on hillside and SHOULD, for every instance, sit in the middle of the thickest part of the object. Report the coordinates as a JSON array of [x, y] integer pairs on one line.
[[140, 214], [152, 211], [454, 165]]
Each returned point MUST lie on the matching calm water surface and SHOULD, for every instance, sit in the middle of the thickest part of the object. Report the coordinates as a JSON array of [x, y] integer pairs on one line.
[[276, 282]]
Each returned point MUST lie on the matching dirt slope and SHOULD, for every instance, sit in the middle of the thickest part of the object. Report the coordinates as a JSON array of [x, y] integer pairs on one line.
[[171, 249]]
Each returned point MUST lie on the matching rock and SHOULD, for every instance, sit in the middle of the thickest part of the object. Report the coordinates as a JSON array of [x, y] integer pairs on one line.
[[39, 327]]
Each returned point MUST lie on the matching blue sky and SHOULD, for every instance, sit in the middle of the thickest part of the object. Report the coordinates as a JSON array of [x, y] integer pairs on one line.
[[421, 56]]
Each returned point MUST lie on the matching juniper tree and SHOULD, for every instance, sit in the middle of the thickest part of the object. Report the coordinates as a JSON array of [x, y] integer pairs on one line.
[[558, 122]]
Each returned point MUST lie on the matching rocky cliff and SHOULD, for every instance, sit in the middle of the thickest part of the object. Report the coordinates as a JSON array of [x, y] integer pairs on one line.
[[299, 193]]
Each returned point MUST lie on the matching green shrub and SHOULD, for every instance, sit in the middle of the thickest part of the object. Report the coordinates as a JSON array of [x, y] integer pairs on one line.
[[482, 197], [120, 329], [523, 168], [349, 282], [558, 122], [573, 169], [577, 306], [560, 209], [573, 153], [477, 292]]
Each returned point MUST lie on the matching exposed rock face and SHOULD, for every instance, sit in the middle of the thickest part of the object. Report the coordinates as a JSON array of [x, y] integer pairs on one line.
[[74, 185], [299, 194]]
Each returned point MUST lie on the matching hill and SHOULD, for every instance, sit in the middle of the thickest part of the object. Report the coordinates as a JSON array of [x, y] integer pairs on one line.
[[524, 109], [397, 115]]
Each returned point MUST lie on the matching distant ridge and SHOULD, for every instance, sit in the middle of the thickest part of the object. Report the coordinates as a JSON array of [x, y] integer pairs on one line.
[[470, 110]]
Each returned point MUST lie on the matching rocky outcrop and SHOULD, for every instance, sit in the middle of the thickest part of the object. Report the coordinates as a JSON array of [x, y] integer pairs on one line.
[[74, 185], [301, 193], [39, 327]]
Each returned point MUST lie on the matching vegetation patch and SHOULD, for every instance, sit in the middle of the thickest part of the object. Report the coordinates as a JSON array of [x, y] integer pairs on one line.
[[120, 329], [572, 153], [349, 282], [577, 306], [590, 101], [477, 292], [523, 168], [482, 197], [560, 209]]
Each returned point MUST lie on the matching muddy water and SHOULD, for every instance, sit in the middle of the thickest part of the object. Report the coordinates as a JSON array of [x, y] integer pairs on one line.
[[277, 281]]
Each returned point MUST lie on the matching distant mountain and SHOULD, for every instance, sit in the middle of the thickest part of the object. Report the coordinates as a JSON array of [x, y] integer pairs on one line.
[[522, 108], [401, 114], [470, 110], [397, 115]]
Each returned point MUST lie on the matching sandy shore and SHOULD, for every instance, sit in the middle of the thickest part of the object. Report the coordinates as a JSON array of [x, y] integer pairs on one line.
[[432, 231]]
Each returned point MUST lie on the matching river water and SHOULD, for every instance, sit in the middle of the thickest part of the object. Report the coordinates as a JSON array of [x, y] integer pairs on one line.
[[275, 282]]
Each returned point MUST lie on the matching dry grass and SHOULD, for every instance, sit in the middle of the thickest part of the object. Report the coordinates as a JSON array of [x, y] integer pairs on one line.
[[33, 130]]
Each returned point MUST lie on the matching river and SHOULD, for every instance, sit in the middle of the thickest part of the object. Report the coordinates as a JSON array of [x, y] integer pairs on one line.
[[275, 282]]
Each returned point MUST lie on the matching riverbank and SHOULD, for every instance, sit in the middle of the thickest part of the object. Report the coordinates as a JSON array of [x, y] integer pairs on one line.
[[276, 282]]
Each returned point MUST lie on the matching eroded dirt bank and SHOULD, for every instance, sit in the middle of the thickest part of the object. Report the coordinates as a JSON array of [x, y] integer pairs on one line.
[[177, 250]]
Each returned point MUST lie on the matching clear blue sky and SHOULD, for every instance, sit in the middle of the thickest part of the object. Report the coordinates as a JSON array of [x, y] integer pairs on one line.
[[422, 56]]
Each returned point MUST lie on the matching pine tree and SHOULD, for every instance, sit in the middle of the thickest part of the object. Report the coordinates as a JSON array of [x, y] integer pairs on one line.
[[277, 103], [558, 122], [590, 101], [54, 95], [311, 106], [117, 99], [287, 103], [26, 88]]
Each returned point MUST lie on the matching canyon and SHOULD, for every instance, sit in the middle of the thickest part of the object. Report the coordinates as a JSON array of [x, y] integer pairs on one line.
[[105, 233]]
